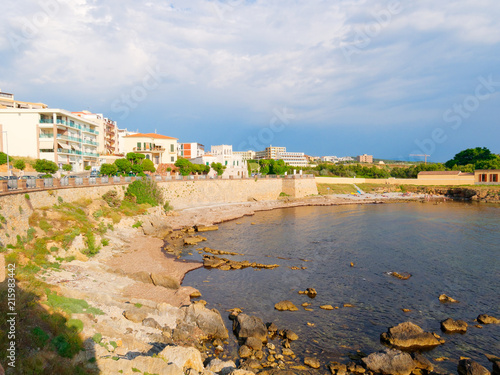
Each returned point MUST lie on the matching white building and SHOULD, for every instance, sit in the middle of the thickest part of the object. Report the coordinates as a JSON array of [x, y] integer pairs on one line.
[[121, 143], [190, 150], [158, 148], [235, 165], [294, 159], [52, 134], [246, 155], [108, 132]]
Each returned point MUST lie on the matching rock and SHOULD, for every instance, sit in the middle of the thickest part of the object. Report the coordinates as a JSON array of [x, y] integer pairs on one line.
[[150, 322], [326, 307], [496, 363], [401, 276], [195, 294], [312, 362], [193, 240], [219, 366], [142, 276], [444, 298], [253, 343], [271, 327], [153, 225], [487, 319], [142, 363], [285, 306], [390, 362], [409, 336], [241, 372], [165, 280], [422, 363], [450, 325], [338, 368], [184, 358], [135, 316], [206, 228], [244, 351], [469, 367], [209, 321], [288, 352], [250, 326], [289, 335]]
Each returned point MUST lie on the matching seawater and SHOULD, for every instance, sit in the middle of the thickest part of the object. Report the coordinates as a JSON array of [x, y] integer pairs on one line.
[[450, 248]]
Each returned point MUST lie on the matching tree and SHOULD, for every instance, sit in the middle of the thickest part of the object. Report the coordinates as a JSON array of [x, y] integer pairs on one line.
[[265, 166], [123, 165], [135, 158], [184, 165], [136, 168], [108, 169], [45, 166], [219, 168], [3, 158], [148, 166], [278, 167], [479, 156], [67, 167], [20, 164]]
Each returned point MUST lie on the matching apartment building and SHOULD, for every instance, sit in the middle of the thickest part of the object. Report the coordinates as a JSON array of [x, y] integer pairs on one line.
[[7, 101], [294, 159], [364, 158], [190, 150], [158, 148], [245, 155], [108, 132], [52, 134], [235, 165], [269, 153]]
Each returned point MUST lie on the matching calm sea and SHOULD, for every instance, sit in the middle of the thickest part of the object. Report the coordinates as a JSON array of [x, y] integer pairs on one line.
[[451, 248]]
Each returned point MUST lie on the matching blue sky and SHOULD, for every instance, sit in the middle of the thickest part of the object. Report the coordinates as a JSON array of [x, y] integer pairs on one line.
[[388, 78]]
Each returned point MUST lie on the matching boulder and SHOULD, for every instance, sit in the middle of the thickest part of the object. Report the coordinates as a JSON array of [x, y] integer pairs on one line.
[[337, 368], [142, 276], [182, 357], [144, 364], [135, 316], [155, 226], [409, 336], [249, 326], [206, 228], [487, 319], [496, 363], [222, 367], [244, 351], [253, 343], [165, 280], [208, 321], [422, 363], [193, 240], [289, 335], [285, 306], [150, 322], [312, 362], [450, 325], [469, 367], [390, 362], [241, 372]]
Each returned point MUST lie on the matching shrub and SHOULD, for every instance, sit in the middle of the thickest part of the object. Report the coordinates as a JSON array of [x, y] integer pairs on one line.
[[88, 167], [167, 207], [45, 166], [67, 167], [39, 336], [137, 224], [145, 191], [27, 196], [108, 169], [111, 198]]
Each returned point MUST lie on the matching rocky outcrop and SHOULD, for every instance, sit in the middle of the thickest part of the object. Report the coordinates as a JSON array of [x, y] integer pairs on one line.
[[165, 280], [144, 364], [221, 367], [390, 362], [208, 321], [285, 306], [487, 319], [249, 326], [450, 325], [182, 357], [227, 264], [410, 336], [469, 367]]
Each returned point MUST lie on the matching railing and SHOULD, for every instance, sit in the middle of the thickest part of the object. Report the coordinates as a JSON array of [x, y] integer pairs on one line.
[[61, 136], [88, 141], [50, 183], [88, 130]]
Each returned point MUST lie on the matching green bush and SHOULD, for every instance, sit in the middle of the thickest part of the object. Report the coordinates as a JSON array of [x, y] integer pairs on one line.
[[88, 167], [145, 191], [39, 337], [111, 198]]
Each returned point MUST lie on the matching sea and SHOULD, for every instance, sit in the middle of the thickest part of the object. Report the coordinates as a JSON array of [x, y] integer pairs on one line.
[[347, 253]]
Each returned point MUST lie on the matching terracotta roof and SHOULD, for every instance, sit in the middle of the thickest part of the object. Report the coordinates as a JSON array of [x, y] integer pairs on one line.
[[440, 173], [149, 135], [487, 170]]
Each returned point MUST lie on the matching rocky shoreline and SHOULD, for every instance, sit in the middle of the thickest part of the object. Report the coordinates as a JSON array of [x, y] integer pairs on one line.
[[149, 323]]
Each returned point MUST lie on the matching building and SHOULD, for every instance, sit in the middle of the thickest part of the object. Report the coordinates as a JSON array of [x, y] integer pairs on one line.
[[190, 150], [52, 134], [108, 132], [160, 149], [235, 165], [487, 176], [269, 153], [294, 159], [7, 101], [364, 158], [121, 143], [246, 155], [446, 177]]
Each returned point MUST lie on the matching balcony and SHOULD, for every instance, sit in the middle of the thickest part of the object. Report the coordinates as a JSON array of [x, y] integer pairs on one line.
[[155, 149], [89, 142], [88, 130], [61, 136], [68, 152]]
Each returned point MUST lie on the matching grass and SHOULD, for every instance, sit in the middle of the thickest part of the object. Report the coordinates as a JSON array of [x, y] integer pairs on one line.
[[327, 189], [70, 305]]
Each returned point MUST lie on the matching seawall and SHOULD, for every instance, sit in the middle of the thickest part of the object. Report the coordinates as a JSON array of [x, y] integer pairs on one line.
[[466, 180]]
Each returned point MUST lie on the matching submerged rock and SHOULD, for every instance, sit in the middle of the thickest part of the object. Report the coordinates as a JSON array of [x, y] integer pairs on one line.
[[410, 336], [450, 325], [390, 362], [446, 299], [469, 367], [285, 306], [487, 319], [312, 362]]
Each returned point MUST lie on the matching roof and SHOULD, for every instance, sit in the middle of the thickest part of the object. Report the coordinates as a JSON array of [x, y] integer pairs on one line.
[[487, 170], [149, 135], [440, 173]]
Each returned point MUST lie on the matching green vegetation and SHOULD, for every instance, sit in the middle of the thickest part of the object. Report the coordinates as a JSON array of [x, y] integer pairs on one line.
[[3, 158], [137, 224], [218, 167], [144, 191], [45, 166], [186, 167], [474, 158], [20, 164], [88, 167], [70, 305], [138, 305], [109, 169], [67, 167], [326, 189]]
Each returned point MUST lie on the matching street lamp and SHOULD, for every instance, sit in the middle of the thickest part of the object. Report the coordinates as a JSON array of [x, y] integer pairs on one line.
[[7, 149]]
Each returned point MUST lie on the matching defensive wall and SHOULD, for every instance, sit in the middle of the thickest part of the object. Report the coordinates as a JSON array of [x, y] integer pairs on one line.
[[445, 181], [17, 205]]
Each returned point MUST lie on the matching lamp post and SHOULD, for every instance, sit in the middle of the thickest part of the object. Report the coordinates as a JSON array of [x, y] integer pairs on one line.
[[7, 149]]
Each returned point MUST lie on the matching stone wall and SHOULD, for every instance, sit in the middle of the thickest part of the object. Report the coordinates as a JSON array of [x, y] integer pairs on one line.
[[466, 180]]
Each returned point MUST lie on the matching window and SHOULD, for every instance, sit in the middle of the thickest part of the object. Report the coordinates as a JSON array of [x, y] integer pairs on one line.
[[207, 163], [493, 178], [138, 146], [172, 149], [225, 163], [147, 156], [483, 177], [171, 158]]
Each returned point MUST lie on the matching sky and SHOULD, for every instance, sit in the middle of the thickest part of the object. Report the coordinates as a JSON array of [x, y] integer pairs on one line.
[[347, 77]]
